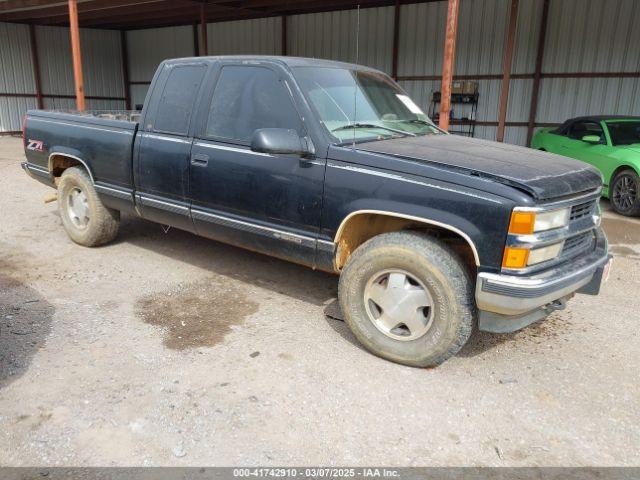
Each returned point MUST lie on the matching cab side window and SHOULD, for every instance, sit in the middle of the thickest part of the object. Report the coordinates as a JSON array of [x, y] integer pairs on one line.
[[582, 129], [247, 98], [178, 98]]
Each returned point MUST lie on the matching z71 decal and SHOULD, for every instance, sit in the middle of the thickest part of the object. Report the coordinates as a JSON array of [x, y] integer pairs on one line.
[[35, 145]]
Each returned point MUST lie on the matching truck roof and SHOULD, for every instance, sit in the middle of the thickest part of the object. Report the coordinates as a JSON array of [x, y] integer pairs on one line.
[[289, 61]]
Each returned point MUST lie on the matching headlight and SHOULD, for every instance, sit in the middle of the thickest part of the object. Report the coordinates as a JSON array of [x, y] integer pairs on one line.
[[542, 254], [552, 219], [525, 223], [515, 257]]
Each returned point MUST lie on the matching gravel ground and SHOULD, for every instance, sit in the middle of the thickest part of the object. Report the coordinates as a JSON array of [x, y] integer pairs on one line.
[[169, 349]]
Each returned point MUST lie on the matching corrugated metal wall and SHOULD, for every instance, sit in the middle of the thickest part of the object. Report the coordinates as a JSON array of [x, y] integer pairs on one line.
[[102, 69], [254, 37], [333, 35], [147, 48], [582, 36], [591, 36], [16, 75], [101, 65], [482, 32]]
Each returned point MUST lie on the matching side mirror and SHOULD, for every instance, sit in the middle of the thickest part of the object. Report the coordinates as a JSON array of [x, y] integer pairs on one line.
[[593, 139], [279, 140]]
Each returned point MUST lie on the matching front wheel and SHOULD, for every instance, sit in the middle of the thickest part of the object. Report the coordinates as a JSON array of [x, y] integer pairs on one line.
[[408, 298], [85, 219], [624, 193]]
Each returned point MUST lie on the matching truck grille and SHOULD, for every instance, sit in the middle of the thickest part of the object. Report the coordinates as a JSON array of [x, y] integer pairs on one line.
[[582, 210], [577, 244]]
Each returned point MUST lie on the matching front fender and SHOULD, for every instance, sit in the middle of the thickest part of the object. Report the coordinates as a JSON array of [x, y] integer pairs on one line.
[[479, 217]]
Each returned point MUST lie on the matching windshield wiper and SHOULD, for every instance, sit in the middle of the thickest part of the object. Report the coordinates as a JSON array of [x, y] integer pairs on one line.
[[417, 120], [372, 125]]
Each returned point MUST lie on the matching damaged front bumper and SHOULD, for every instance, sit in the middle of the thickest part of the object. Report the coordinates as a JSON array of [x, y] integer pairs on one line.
[[507, 303]]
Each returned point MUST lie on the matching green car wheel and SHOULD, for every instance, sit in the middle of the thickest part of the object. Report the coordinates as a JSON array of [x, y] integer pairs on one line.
[[624, 193]]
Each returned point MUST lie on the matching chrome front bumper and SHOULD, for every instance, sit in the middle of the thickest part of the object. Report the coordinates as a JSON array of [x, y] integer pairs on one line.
[[509, 302]]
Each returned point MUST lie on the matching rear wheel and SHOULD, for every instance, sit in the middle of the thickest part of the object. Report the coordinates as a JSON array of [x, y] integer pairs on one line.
[[408, 298], [625, 193], [85, 219]]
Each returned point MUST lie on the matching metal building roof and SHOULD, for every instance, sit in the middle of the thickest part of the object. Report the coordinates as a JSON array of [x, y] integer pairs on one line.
[[132, 14]]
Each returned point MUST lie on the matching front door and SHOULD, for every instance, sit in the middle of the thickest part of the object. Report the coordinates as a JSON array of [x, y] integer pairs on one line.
[[269, 203], [573, 146]]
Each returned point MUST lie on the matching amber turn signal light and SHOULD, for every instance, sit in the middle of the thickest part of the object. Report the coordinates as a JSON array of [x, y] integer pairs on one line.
[[522, 223], [515, 257]]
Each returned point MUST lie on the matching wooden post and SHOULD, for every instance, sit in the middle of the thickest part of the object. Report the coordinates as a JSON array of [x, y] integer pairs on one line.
[[448, 62], [396, 40], [203, 30], [76, 54], [284, 40], [542, 35], [36, 66], [125, 69], [506, 72]]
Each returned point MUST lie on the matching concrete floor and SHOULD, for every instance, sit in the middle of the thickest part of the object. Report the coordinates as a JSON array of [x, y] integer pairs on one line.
[[169, 349]]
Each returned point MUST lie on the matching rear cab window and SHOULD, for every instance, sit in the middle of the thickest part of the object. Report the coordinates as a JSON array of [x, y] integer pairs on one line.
[[177, 103]]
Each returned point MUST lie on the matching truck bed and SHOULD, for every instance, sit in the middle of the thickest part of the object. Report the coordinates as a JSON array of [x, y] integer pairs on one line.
[[101, 140], [122, 115]]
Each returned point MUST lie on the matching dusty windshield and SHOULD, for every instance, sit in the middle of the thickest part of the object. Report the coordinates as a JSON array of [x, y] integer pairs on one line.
[[361, 105]]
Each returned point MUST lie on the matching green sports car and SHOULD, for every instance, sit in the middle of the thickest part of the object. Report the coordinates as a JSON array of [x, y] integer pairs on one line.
[[611, 144]]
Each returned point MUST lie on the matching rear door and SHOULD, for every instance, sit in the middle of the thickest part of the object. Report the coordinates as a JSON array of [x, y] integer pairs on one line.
[[269, 203], [163, 145]]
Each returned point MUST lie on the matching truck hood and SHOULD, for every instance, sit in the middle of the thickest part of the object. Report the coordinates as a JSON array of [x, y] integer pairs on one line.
[[543, 175]]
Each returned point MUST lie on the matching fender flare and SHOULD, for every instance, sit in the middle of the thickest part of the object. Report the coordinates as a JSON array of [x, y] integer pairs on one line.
[[68, 155], [423, 220]]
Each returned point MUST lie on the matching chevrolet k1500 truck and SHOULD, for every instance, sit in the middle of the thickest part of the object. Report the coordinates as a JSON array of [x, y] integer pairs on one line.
[[333, 166]]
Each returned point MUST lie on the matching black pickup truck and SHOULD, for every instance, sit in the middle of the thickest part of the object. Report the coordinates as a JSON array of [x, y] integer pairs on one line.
[[333, 166]]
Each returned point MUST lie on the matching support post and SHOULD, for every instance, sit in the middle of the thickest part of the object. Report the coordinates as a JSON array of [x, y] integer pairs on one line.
[[448, 62], [284, 40], [203, 30], [196, 41], [506, 75], [396, 40], [535, 90], [36, 66], [76, 54], [125, 69]]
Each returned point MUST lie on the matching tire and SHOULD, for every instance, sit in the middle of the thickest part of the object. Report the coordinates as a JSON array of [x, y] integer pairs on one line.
[[373, 275], [85, 219], [624, 193]]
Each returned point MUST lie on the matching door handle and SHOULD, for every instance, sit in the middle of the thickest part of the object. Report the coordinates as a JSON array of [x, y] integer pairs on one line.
[[200, 160]]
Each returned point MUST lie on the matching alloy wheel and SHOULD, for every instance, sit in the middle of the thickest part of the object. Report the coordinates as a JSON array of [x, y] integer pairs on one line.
[[625, 192]]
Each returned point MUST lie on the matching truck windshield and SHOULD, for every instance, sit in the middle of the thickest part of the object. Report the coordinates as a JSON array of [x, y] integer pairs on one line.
[[361, 105], [624, 132]]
